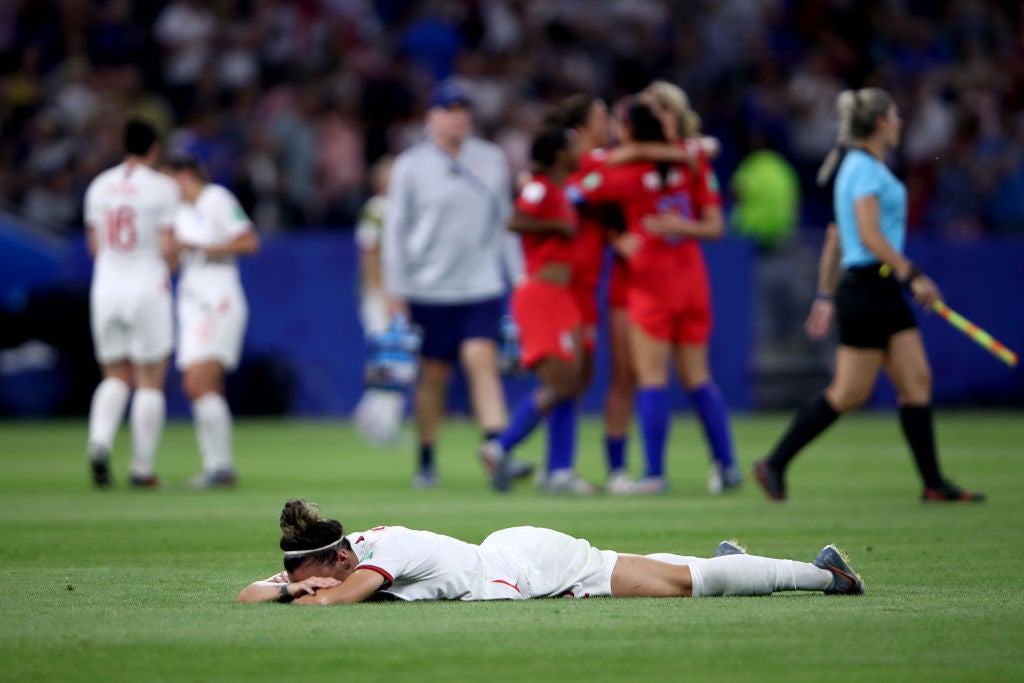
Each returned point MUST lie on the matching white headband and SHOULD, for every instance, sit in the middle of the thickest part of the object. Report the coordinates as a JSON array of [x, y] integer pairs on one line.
[[288, 554]]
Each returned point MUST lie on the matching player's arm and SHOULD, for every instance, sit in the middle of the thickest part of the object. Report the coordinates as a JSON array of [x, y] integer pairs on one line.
[[655, 152], [823, 309], [170, 247], [245, 244], [523, 223], [359, 586], [866, 213], [710, 225], [91, 242], [278, 589]]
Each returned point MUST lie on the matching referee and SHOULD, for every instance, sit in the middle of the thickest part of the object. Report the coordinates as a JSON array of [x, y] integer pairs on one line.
[[876, 326], [447, 262]]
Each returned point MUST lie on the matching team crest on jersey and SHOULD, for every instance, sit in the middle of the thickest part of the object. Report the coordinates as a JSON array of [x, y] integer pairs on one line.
[[592, 181], [534, 191], [711, 180]]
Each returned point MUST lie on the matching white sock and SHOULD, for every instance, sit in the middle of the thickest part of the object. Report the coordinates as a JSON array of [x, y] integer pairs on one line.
[[148, 412], [753, 575], [213, 431], [669, 558], [107, 411]]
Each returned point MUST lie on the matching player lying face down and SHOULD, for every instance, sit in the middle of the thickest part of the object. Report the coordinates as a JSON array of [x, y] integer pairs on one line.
[[325, 566]]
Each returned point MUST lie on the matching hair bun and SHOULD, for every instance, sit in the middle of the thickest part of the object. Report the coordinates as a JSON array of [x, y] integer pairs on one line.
[[298, 518]]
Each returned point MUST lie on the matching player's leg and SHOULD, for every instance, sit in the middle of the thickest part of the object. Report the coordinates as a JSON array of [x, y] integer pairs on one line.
[[691, 362], [152, 341], [148, 414], [439, 350], [650, 364], [855, 375], [618, 404], [907, 367], [429, 401], [111, 344], [731, 575], [203, 382], [479, 358], [562, 377], [105, 414]]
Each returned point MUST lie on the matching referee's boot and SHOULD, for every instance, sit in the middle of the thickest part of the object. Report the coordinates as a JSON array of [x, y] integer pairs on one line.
[[949, 492], [770, 479]]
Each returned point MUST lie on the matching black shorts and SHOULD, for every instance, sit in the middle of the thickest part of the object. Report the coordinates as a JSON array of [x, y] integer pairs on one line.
[[870, 308], [446, 326]]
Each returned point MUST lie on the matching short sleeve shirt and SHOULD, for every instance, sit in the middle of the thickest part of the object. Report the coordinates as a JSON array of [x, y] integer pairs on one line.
[[862, 175]]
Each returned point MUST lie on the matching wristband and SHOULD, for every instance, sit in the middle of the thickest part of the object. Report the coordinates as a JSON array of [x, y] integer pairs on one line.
[[283, 594], [822, 296], [915, 272]]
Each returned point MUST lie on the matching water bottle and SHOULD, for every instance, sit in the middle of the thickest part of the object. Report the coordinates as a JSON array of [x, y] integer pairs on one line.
[[394, 357]]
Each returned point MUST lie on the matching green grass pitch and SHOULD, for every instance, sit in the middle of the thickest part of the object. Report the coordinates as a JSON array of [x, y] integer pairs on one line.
[[123, 585]]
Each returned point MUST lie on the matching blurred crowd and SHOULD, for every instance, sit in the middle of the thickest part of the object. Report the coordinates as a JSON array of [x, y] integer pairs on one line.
[[289, 101]]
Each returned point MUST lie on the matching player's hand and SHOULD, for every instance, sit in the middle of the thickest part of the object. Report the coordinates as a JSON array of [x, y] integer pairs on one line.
[[819, 320], [627, 244], [311, 585], [669, 225], [397, 306], [280, 577], [522, 178], [925, 291]]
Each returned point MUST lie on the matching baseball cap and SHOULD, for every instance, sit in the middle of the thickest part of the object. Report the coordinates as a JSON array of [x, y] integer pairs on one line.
[[448, 93]]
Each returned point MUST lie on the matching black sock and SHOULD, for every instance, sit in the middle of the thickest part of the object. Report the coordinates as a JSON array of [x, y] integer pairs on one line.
[[812, 419], [426, 456], [490, 436], [920, 434]]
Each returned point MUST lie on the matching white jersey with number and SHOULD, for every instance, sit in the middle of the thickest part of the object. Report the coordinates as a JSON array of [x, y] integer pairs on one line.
[[212, 310], [511, 564], [127, 208]]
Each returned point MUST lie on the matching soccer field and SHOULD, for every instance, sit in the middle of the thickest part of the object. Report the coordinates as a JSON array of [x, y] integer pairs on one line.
[[124, 585]]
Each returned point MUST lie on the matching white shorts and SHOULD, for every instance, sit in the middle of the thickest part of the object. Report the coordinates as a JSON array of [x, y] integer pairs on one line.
[[131, 321], [211, 326], [549, 564]]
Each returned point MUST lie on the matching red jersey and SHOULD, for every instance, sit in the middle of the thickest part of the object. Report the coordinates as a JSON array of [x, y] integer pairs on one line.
[[640, 189], [590, 239], [542, 199]]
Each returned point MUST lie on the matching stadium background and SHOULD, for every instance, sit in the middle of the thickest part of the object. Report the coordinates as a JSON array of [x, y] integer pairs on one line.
[[288, 103]]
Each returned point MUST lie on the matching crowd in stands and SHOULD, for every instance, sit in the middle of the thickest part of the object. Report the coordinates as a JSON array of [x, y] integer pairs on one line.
[[289, 101]]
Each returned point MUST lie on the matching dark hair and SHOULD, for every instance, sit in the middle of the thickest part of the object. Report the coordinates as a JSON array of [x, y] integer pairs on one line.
[[576, 109], [139, 137], [302, 528], [643, 122], [183, 161], [547, 144], [645, 127]]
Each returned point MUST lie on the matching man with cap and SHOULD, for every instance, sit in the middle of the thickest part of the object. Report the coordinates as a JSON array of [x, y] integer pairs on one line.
[[448, 263]]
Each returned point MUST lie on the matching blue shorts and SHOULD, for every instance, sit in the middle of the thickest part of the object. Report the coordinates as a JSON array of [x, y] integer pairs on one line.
[[446, 326]]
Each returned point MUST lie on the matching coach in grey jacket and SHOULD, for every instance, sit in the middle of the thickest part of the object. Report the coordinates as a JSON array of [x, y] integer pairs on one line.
[[448, 263]]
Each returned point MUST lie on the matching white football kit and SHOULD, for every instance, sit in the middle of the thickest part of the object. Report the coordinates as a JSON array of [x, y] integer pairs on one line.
[[127, 207], [212, 310], [511, 564]]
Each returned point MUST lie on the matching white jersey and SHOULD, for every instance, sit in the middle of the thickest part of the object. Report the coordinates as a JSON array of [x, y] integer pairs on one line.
[[216, 217], [127, 207], [511, 564], [212, 310]]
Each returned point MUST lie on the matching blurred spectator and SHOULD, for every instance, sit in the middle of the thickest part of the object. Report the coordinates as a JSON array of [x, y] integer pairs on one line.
[[292, 100]]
